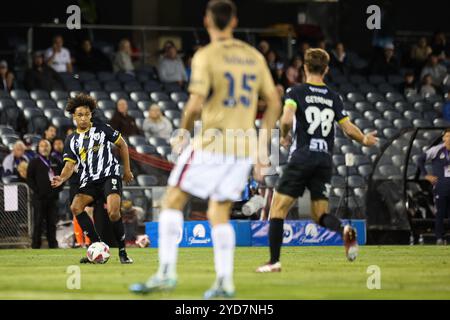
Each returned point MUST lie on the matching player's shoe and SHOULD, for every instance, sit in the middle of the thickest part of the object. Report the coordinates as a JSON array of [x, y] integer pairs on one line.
[[124, 258], [269, 267], [220, 290], [154, 284], [85, 260], [350, 243]]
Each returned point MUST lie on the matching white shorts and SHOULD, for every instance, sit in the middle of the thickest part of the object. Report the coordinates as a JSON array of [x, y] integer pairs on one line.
[[210, 175]]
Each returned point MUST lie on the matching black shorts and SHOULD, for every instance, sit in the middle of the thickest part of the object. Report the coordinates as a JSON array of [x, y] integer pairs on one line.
[[314, 176], [102, 187]]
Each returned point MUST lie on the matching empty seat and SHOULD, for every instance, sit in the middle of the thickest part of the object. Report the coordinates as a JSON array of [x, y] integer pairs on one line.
[[105, 76], [402, 124], [365, 170], [136, 114], [179, 96], [9, 139], [152, 86], [109, 113], [355, 97], [168, 105], [132, 86], [354, 115], [159, 96], [395, 80], [337, 182], [132, 105], [441, 123], [374, 97], [32, 112], [145, 180], [51, 113], [112, 86], [412, 115], [363, 123], [99, 94], [376, 79], [392, 115], [369, 151], [402, 106], [383, 106], [384, 88], [164, 151], [117, 95], [37, 124], [381, 124], [46, 104], [136, 140], [357, 79], [92, 86], [172, 87], [372, 115], [389, 171], [8, 103], [6, 130], [74, 93], [19, 94], [433, 98], [350, 149], [59, 95], [361, 159], [176, 123], [365, 88], [106, 104], [345, 88], [144, 105], [172, 114], [39, 95], [394, 97], [356, 181], [421, 144], [156, 141], [139, 96], [421, 123], [390, 133], [338, 160], [146, 149], [4, 94], [363, 106], [421, 106], [413, 97], [181, 105], [26, 103], [430, 115]]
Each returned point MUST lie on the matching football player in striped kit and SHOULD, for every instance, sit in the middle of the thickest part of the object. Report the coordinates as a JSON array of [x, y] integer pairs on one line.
[[91, 148]]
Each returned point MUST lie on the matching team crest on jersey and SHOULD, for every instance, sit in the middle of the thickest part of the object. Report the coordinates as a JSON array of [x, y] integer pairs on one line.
[[114, 183], [96, 136]]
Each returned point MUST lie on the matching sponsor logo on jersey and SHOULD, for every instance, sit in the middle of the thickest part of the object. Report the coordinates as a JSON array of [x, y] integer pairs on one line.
[[319, 90], [319, 145]]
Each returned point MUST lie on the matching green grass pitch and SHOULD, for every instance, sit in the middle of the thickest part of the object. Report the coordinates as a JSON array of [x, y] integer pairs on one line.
[[407, 272]]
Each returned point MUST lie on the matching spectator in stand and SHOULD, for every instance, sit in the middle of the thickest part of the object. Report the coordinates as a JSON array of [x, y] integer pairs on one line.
[[91, 59], [12, 161], [409, 85], [22, 169], [171, 68], [427, 87], [122, 60], [275, 65], [387, 64], [264, 47], [122, 121], [50, 133], [297, 63], [302, 49], [439, 46], [6, 77], [41, 76], [436, 70], [420, 52], [446, 108], [58, 57], [41, 171], [58, 149], [339, 59], [157, 124], [290, 77], [322, 44]]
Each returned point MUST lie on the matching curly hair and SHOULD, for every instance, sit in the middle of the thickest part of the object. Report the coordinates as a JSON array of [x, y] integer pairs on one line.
[[81, 100]]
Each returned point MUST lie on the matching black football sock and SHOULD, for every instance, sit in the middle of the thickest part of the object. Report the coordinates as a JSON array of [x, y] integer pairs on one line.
[[119, 233], [275, 238], [331, 222], [87, 226]]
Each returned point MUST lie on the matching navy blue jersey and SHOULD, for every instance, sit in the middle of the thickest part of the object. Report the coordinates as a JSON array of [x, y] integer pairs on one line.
[[91, 150], [316, 109]]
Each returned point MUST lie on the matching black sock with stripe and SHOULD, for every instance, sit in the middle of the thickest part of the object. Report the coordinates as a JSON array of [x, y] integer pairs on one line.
[[275, 239], [119, 233], [87, 226]]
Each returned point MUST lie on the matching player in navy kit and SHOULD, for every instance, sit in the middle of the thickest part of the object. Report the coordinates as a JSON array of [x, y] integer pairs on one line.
[[311, 109]]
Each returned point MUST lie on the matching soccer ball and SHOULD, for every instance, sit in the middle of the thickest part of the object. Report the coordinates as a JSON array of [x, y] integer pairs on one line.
[[98, 252]]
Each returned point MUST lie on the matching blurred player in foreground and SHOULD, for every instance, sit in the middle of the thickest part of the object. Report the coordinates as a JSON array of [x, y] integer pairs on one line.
[[227, 77]]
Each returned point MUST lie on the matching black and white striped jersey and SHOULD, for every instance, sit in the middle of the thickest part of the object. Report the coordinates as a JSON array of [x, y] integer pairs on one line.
[[91, 150]]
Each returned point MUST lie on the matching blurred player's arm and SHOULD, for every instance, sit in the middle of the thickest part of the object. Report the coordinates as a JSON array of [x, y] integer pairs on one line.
[[66, 173], [356, 134], [123, 150], [286, 122], [192, 111]]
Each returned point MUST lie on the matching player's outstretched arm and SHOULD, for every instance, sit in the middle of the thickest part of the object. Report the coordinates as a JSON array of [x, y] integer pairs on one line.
[[123, 150], [66, 173], [356, 134]]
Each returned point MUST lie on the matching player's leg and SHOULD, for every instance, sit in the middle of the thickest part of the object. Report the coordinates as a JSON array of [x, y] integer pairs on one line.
[[224, 242], [290, 186], [319, 186], [169, 226], [79, 203], [113, 209]]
